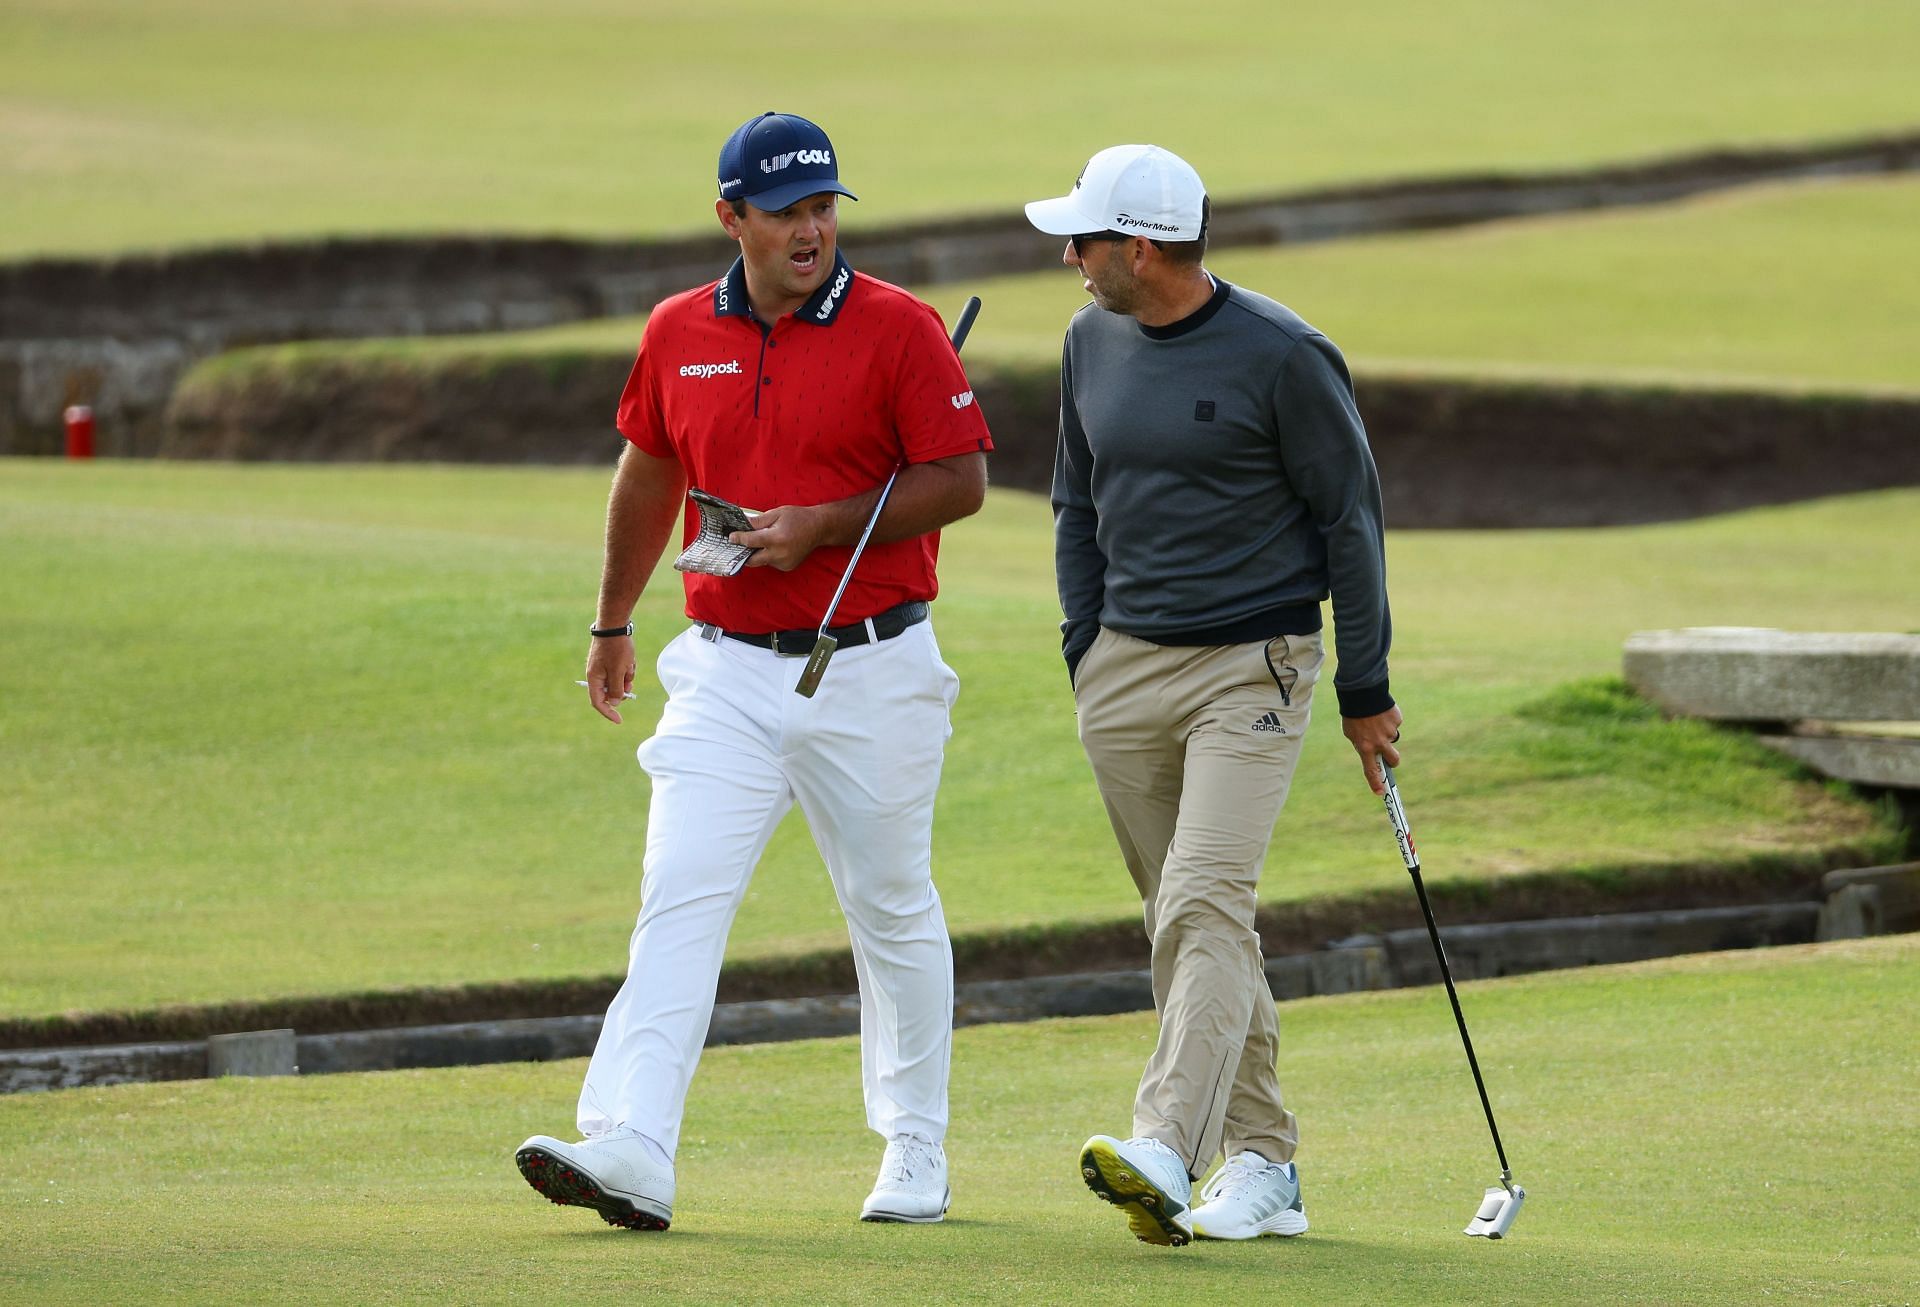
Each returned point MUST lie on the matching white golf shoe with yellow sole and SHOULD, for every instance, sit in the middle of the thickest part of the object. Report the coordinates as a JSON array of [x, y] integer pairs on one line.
[[1145, 1179]]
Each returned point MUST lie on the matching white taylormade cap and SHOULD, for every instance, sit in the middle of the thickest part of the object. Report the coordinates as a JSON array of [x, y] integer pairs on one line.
[[1142, 190]]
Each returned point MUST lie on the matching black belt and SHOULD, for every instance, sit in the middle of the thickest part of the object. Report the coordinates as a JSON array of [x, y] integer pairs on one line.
[[798, 644]]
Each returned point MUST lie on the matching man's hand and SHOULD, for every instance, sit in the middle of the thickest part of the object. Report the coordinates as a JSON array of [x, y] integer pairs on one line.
[[925, 497], [784, 536], [1373, 739], [643, 509], [610, 668]]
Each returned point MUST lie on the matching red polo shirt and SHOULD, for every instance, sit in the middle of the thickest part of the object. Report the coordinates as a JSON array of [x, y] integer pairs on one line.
[[821, 406]]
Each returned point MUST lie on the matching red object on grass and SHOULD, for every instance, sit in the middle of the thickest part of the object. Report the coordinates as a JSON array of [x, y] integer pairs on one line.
[[79, 420]]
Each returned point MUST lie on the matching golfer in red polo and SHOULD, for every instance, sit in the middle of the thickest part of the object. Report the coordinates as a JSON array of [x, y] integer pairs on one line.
[[796, 386]]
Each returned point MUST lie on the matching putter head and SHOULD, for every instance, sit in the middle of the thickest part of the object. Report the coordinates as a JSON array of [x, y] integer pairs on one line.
[[816, 666], [1497, 1212]]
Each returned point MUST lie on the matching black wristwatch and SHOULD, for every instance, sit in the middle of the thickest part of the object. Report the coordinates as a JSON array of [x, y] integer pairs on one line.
[[604, 632]]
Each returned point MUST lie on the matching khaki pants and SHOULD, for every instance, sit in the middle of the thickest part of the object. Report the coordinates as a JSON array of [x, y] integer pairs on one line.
[[1193, 750]]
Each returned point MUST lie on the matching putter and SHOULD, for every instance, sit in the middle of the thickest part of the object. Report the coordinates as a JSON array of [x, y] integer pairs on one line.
[[824, 644], [1502, 1201]]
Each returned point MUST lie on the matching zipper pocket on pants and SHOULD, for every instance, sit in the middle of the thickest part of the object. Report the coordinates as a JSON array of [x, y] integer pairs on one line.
[[1284, 685]]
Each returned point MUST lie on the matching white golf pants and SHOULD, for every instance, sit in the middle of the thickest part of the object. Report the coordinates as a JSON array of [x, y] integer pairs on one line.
[[735, 749]]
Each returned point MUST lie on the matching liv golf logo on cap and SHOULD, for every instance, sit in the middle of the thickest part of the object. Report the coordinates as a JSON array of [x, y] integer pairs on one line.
[[778, 159]]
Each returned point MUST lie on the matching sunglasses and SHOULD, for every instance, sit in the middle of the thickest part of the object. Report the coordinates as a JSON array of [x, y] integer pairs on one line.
[[1080, 241]]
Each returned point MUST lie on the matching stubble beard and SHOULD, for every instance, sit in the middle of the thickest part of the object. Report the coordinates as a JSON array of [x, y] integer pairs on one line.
[[1116, 291]]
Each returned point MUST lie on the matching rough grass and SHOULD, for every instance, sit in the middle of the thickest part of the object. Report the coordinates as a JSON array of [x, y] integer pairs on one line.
[[274, 731], [160, 123], [1806, 285], [1717, 1129]]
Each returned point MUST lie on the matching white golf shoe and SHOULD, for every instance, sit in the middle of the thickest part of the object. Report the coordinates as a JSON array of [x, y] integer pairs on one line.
[[1249, 1197], [613, 1174], [1145, 1179], [912, 1185]]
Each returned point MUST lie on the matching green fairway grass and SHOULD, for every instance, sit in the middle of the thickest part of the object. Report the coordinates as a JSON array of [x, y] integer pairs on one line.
[[1802, 285], [144, 124], [1720, 1129], [271, 731]]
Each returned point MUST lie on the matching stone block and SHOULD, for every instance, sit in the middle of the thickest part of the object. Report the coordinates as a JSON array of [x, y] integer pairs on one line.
[[1752, 674], [1291, 976], [252, 1053], [36, 1070], [534, 1039], [1853, 912], [1862, 759], [1897, 889], [1515, 947], [1349, 969], [1082, 994], [767, 1021]]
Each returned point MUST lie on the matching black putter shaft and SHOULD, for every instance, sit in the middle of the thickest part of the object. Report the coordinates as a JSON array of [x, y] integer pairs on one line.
[[1411, 857], [824, 644]]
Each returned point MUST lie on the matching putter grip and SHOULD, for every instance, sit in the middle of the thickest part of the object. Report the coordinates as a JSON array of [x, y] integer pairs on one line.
[[1398, 816], [968, 313]]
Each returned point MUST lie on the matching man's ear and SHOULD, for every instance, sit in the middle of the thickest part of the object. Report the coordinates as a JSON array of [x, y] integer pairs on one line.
[[728, 219]]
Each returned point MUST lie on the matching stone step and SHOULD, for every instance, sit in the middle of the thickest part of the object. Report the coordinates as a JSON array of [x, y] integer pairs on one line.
[[1871, 901], [1859, 759], [1751, 674]]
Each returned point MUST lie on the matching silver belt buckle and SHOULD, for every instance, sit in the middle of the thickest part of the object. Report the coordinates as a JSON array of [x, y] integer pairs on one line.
[[709, 632]]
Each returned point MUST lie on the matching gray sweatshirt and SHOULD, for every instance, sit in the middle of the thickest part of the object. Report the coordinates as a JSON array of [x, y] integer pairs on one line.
[[1213, 484]]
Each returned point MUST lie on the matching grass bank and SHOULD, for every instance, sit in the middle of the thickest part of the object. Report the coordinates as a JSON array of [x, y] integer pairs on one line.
[[273, 731], [1658, 1114], [1803, 285], [147, 124]]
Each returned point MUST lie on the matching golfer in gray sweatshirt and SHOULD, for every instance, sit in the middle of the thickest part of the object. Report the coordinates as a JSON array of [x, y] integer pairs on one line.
[[1211, 488]]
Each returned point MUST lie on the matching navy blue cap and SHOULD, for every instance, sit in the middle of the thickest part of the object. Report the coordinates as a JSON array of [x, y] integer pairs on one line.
[[777, 158]]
